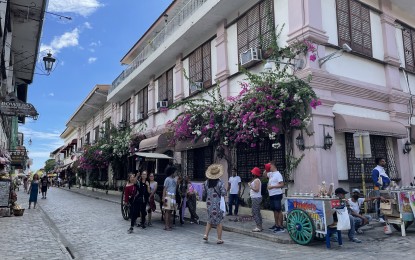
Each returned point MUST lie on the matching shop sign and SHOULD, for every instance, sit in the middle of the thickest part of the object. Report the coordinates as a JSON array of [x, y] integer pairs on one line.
[[4, 193], [314, 208], [18, 108], [18, 156]]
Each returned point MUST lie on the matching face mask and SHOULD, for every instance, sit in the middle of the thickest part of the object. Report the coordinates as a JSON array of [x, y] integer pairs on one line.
[[355, 197]]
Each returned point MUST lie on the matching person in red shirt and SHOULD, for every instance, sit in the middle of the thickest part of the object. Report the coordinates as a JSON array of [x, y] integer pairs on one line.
[[130, 191]]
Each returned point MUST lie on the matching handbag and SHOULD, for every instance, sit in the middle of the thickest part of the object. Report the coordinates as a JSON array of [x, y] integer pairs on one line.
[[343, 219], [222, 204]]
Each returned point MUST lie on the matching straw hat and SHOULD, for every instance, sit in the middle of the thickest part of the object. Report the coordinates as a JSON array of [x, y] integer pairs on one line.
[[214, 171]]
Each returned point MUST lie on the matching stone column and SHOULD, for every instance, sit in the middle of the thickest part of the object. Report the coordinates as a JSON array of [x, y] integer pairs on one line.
[[178, 91], [151, 100], [222, 63]]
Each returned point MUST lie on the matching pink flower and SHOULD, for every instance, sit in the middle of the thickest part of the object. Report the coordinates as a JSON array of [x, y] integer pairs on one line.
[[314, 103], [295, 122], [313, 57]]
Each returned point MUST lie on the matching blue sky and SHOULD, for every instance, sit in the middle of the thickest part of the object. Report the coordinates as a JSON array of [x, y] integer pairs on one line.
[[89, 49]]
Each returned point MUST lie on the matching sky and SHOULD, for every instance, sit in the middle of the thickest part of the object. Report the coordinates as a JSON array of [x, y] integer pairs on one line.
[[88, 49]]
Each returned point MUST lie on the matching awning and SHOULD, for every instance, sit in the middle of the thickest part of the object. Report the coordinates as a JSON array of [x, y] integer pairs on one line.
[[159, 142], [189, 144], [345, 123], [153, 155]]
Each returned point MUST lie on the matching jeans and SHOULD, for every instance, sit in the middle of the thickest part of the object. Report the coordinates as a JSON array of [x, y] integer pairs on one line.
[[233, 200], [377, 204], [352, 230], [358, 222]]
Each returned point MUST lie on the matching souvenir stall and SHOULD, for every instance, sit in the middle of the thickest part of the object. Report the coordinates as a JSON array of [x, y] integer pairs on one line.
[[399, 210]]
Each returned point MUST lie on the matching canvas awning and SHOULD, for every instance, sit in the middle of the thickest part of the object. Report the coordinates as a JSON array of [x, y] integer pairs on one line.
[[158, 142], [351, 124], [189, 144], [154, 155]]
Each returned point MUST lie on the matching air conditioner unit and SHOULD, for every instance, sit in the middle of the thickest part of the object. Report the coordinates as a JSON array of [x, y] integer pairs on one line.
[[162, 104], [196, 86], [140, 116], [250, 57]]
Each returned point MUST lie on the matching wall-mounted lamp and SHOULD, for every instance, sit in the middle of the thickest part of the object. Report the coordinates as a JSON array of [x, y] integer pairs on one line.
[[328, 141], [345, 48], [407, 147], [48, 62], [297, 65], [299, 141], [122, 124]]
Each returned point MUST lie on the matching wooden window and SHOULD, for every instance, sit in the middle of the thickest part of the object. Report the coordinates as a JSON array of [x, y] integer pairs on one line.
[[408, 35], [96, 134], [125, 110], [200, 69], [87, 138], [248, 158], [379, 148], [198, 160], [107, 128], [165, 85], [257, 27], [353, 26], [142, 102]]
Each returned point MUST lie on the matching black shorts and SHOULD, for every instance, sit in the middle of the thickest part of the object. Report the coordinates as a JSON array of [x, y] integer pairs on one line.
[[275, 202], [44, 189]]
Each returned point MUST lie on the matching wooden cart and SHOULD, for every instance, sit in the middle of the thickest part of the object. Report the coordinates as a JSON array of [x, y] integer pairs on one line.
[[399, 211], [308, 217]]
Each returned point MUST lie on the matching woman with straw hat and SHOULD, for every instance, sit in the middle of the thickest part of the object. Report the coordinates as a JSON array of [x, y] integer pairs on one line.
[[213, 190]]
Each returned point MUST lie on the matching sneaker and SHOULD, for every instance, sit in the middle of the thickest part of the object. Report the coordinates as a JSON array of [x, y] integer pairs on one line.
[[229, 214], [149, 224], [381, 220], [273, 227], [359, 231], [279, 230], [356, 240], [130, 230]]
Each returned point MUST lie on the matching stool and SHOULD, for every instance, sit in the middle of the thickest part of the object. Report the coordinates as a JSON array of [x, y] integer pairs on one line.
[[330, 231]]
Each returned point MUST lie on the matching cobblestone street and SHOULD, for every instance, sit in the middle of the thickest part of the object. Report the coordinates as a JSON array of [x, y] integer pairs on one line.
[[93, 228]]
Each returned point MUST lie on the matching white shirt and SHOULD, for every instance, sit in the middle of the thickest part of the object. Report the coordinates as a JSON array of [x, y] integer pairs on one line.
[[234, 182], [274, 179], [254, 194], [355, 206]]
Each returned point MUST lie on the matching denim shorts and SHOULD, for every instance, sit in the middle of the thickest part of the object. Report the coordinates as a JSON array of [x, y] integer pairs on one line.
[[275, 202]]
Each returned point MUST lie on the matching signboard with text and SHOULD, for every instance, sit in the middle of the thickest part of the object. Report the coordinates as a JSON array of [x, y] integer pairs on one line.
[[18, 156], [18, 108]]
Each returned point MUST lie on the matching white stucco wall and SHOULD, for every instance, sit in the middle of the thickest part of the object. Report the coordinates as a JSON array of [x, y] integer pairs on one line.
[[185, 80], [328, 10], [233, 49], [377, 37], [357, 68], [405, 80], [360, 112], [213, 60], [281, 19]]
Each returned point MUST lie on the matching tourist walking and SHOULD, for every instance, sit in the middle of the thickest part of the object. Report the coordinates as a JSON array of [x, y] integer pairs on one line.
[[44, 185], [275, 185], [380, 181], [143, 194], [25, 183], [151, 201], [33, 190], [213, 190], [191, 202], [181, 197], [234, 189], [169, 196], [130, 191], [256, 198]]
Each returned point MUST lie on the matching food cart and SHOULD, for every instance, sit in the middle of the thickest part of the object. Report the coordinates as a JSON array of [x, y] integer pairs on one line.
[[309, 216], [400, 208]]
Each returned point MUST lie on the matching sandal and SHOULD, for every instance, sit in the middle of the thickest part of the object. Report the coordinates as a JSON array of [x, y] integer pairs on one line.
[[205, 237], [220, 241]]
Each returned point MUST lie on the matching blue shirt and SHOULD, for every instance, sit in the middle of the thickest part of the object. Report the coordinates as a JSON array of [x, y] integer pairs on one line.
[[170, 185]]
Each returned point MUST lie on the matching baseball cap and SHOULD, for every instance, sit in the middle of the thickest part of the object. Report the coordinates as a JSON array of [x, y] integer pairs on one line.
[[356, 190], [267, 167], [340, 191]]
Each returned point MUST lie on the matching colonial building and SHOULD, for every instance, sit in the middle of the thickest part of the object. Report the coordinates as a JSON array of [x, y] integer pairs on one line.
[[363, 74]]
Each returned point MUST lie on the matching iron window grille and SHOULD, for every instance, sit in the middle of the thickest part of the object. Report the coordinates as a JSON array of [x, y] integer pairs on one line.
[[197, 162], [165, 87], [200, 66]]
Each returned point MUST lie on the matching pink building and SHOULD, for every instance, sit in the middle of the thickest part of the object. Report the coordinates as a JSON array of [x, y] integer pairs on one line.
[[368, 89]]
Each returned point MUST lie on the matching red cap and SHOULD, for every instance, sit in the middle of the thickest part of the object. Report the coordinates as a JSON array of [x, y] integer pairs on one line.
[[256, 171], [268, 167]]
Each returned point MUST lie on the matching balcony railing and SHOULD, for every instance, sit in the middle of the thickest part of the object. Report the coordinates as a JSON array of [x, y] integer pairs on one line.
[[188, 9]]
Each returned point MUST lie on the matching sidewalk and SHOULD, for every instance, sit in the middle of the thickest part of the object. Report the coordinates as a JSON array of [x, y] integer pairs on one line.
[[373, 232]]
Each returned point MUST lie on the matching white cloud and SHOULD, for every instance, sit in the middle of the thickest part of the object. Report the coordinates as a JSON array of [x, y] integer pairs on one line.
[[51, 94], [81, 7], [68, 39], [92, 60], [95, 44], [88, 25], [52, 136]]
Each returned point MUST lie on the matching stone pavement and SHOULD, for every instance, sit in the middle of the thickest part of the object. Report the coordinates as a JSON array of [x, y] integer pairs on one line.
[[91, 227]]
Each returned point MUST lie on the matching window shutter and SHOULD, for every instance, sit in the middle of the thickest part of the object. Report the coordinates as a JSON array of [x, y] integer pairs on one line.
[[195, 66], [356, 27], [145, 101], [162, 82], [343, 22], [207, 72], [170, 86], [408, 35], [253, 28], [242, 34], [266, 11], [366, 31]]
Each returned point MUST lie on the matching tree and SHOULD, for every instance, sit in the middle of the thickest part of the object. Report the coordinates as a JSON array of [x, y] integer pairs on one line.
[[49, 165]]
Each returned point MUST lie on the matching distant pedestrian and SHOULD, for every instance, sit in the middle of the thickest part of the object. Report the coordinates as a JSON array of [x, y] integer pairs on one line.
[[213, 190], [25, 183], [151, 201], [130, 191], [256, 198], [143, 194], [191, 202], [380, 181], [59, 182], [169, 196], [34, 190], [181, 197], [234, 189], [44, 185]]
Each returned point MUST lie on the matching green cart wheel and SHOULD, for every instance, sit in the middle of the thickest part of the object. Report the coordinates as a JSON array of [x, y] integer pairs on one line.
[[300, 227]]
